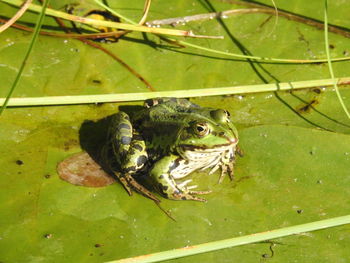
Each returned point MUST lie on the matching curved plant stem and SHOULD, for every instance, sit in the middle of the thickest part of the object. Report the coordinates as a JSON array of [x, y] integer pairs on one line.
[[85, 38], [173, 21], [106, 51], [120, 61], [142, 20], [292, 16], [145, 12], [237, 241], [178, 42], [187, 44], [329, 60], [16, 16], [276, 18], [264, 59], [31, 45], [115, 12], [97, 23], [182, 44], [68, 35]]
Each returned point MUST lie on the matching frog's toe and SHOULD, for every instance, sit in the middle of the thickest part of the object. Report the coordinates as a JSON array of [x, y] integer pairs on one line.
[[223, 173], [231, 172], [189, 196], [184, 184], [226, 169], [214, 169], [195, 198], [200, 192], [126, 185], [132, 183], [239, 151], [185, 187]]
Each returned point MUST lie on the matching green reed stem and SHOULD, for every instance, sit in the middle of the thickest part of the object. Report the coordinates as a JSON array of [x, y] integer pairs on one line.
[[329, 59], [140, 96], [237, 241], [94, 22], [25, 59]]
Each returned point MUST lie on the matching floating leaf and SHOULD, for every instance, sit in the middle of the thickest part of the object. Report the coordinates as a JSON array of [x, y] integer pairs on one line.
[[81, 169], [296, 144]]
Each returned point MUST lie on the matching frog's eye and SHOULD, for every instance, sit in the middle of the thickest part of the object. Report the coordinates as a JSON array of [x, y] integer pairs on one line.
[[227, 113], [201, 129], [220, 115], [150, 103]]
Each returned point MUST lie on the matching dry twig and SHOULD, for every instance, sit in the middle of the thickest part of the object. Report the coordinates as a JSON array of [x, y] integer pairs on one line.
[[19, 13]]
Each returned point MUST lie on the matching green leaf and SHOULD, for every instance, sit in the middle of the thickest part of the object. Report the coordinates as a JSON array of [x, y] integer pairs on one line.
[[296, 144]]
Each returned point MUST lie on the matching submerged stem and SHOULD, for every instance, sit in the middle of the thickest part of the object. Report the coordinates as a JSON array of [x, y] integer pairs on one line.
[[25, 59], [329, 60]]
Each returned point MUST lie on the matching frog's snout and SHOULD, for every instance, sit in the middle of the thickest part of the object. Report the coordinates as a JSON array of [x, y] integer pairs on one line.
[[229, 139], [233, 140]]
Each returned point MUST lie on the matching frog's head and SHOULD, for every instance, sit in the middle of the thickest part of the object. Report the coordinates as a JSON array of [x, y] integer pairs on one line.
[[206, 133]]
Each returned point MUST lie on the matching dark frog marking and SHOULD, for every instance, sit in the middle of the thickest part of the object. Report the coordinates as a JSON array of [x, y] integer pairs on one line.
[[169, 139]]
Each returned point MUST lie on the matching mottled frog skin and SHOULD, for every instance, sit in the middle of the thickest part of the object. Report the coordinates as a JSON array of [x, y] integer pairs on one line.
[[169, 139]]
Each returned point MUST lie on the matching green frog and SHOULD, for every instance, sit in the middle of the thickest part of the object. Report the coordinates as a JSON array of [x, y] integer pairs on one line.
[[169, 139]]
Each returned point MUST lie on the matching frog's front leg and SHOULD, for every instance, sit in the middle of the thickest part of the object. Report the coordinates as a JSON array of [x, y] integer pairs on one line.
[[161, 174]]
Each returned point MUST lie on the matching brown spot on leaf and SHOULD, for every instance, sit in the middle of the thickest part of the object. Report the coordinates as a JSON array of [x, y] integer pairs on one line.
[[19, 162], [48, 236], [70, 143], [81, 169], [308, 107], [96, 81]]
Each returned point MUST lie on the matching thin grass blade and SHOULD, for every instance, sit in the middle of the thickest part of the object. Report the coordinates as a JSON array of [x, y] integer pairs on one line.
[[29, 50], [341, 101], [237, 241]]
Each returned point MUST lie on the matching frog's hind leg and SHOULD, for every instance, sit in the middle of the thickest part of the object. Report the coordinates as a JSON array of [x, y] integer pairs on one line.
[[128, 146], [120, 134], [135, 161], [129, 184], [109, 165], [140, 188], [130, 151]]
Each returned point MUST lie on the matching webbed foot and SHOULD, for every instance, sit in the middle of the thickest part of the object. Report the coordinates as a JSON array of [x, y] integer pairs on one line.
[[130, 184], [184, 192]]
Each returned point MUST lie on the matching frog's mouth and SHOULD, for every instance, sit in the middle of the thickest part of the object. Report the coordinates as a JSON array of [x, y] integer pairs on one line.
[[187, 150], [205, 154], [205, 148]]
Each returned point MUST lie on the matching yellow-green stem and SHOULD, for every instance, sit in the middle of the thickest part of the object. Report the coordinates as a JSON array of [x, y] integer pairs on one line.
[[210, 50], [237, 241], [35, 35], [100, 98], [330, 62], [94, 22]]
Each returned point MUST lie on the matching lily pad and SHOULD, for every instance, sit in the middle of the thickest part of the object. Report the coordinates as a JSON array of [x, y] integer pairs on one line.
[[296, 144]]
